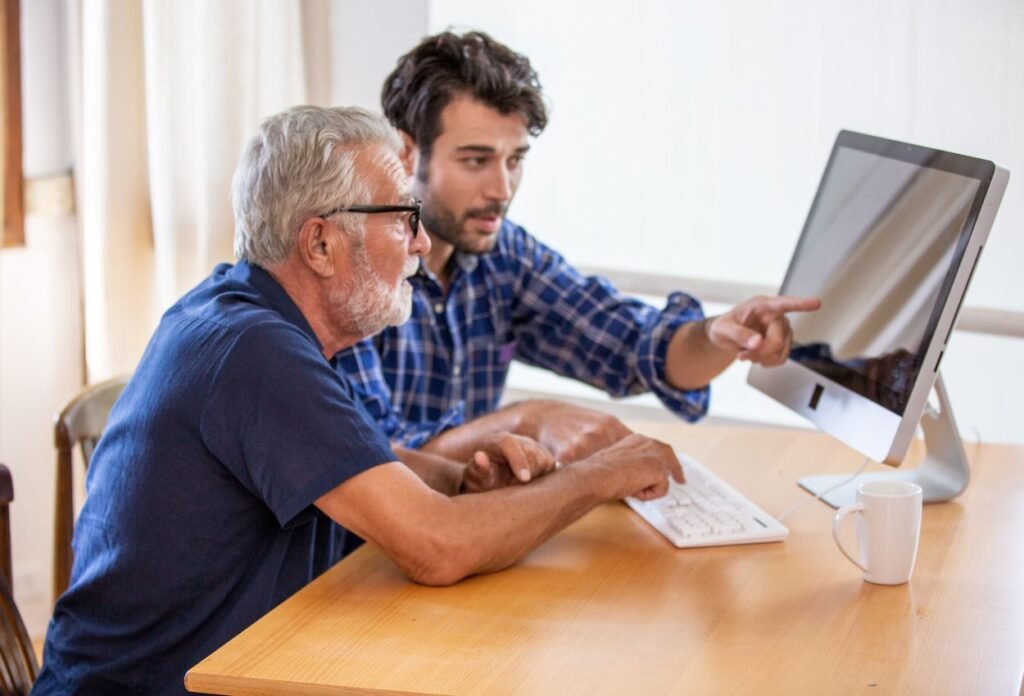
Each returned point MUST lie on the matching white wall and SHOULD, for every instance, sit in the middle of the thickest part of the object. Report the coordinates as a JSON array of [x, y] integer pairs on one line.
[[368, 38], [698, 132], [702, 128]]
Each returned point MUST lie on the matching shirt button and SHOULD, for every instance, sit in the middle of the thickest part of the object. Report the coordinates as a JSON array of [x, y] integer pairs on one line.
[[439, 308], [456, 370]]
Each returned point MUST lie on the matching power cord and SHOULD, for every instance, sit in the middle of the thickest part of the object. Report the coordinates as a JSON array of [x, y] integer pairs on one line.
[[858, 472], [977, 446], [851, 477]]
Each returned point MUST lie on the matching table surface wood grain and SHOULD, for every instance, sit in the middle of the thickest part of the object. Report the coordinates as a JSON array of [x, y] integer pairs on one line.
[[608, 606]]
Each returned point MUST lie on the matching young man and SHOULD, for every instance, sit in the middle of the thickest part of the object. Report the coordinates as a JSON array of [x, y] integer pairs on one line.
[[488, 292], [237, 456]]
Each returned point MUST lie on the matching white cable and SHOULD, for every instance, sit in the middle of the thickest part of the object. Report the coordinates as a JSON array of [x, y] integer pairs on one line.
[[845, 481], [977, 446], [858, 472]]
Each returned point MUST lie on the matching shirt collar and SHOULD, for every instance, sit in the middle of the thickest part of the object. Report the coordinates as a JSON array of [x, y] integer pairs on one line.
[[275, 296], [467, 262]]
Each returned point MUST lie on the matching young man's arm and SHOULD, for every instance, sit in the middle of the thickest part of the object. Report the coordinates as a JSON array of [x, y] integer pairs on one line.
[[438, 540], [568, 431], [756, 330]]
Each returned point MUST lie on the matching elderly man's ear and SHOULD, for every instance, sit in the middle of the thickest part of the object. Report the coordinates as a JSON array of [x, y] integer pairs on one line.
[[319, 247]]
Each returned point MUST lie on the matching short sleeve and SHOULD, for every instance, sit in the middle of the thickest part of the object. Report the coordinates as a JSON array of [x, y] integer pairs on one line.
[[284, 423]]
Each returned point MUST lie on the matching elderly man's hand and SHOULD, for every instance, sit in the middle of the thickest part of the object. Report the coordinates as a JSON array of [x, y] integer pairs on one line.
[[757, 330], [637, 466], [505, 459]]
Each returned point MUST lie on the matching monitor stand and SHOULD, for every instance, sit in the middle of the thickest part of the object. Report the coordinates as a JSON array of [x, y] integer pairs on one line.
[[942, 476]]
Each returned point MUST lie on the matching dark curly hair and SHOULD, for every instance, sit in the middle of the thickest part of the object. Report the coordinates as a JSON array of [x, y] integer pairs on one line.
[[446, 66]]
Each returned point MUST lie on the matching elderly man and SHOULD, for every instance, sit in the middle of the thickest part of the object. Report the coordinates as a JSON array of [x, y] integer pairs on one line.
[[238, 456], [488, 292]]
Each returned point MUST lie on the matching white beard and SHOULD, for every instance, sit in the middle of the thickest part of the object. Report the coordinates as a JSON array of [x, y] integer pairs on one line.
[[372, 305]]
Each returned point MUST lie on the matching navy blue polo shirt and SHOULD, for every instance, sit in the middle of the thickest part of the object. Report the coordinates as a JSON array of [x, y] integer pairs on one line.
[[199, 516]]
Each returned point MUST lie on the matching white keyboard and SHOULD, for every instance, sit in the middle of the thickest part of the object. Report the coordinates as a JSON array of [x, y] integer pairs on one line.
[[706, 511]]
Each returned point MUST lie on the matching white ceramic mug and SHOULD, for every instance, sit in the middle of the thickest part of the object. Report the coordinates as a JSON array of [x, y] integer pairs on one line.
[[888, 530]]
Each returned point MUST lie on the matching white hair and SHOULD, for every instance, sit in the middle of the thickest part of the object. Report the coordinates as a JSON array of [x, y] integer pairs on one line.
[[300, 163]]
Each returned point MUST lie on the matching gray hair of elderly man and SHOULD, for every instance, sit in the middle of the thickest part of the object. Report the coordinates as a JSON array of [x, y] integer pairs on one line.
[[300, 163]]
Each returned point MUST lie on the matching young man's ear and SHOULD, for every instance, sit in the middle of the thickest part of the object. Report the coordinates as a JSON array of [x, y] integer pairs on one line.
[[410, 154], [318, 247]]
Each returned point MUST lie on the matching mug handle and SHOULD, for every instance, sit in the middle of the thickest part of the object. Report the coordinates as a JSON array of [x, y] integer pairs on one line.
[[837, 521]]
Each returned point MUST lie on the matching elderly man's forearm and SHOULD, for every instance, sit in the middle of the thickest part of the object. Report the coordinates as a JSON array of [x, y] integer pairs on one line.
[[490, 531]]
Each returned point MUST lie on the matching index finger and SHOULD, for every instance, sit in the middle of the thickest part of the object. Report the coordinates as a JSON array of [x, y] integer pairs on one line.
[[675, 466], [518, 461], [782, 304], [526, 458], [676, 469]]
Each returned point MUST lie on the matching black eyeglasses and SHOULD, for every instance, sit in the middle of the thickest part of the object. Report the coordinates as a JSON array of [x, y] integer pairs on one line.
[[414, 210]]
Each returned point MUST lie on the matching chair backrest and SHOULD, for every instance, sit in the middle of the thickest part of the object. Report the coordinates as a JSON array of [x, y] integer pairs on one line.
[[18, 667], [80, 423]]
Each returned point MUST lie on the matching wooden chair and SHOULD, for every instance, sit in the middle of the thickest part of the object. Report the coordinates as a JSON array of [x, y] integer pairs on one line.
[[80, 422], [6, 496], [18, 666]]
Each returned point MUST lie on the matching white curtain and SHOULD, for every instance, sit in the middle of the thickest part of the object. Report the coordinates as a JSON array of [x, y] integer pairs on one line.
[[164, 96]]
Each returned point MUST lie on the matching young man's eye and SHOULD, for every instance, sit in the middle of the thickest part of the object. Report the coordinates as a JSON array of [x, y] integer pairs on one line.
[[475, 161]]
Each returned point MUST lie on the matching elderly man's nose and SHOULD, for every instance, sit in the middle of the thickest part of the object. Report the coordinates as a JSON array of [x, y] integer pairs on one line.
[[420, 244]]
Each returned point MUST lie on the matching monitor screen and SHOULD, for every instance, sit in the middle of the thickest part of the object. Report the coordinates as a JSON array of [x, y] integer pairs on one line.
[[889, 246], [881, 245]]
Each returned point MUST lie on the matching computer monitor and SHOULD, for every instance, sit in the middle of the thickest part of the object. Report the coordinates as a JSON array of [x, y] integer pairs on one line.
[[890, 244]]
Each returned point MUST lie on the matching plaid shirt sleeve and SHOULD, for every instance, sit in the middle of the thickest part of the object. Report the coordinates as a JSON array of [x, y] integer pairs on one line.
[[362, 363], [582, 327]]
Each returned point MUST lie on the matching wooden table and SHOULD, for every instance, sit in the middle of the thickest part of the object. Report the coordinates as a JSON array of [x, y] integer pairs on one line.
[[609, 607]]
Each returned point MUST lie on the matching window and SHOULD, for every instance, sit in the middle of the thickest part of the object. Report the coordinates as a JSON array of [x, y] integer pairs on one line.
[[12, 211]]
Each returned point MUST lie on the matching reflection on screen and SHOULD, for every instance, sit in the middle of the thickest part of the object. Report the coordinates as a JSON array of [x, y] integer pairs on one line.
[[878, 247]]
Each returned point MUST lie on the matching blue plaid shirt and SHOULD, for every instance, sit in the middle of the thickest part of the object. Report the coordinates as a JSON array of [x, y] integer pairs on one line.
[[448, 363]]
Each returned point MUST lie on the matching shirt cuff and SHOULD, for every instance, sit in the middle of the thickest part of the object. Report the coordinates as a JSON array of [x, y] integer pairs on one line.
[[688, 404]]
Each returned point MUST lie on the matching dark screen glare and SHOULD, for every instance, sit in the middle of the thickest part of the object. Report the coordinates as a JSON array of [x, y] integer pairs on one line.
[[880, 248]]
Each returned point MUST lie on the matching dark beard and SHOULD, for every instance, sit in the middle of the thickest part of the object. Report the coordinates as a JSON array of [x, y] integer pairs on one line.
[[439, 221]]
